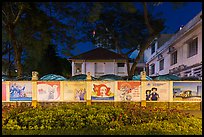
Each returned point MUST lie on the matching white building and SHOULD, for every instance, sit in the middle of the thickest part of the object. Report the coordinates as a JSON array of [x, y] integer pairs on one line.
[[181, 54], [101, 61]]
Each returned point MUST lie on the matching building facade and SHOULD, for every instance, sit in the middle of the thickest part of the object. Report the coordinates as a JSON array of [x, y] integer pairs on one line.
[[99, 62], [181, 55]]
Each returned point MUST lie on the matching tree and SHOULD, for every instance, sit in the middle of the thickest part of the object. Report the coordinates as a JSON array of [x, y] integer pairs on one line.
[[10, 19], [50, 63], [119, 26], [31, 26], [113, 21]]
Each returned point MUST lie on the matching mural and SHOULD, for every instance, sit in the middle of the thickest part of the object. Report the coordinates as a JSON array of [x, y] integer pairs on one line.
[[128, 91], [3, 91], [75, 91], [157, 91], [20, 91], [48, 91], [187, 91], [102, 91]]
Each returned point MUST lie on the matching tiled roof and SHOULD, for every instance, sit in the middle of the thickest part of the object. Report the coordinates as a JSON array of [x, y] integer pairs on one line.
[[98, 54]]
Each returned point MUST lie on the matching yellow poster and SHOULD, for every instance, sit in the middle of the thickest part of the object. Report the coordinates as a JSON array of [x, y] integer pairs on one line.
[[75, 91]]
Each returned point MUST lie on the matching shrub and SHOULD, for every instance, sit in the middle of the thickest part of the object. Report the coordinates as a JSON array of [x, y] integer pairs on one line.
[[104, 119]]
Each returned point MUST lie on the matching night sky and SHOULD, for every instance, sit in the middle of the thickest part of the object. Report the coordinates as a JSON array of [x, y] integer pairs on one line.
[[174, 18]]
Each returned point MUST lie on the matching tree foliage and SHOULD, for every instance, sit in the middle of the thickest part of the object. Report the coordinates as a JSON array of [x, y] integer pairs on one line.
[[50, 63], [31, 26]]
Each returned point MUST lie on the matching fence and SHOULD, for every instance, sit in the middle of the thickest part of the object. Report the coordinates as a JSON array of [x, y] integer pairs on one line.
[[144, 92]]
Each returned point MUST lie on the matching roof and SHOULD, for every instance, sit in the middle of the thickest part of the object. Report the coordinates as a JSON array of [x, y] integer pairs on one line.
[[98, 54]]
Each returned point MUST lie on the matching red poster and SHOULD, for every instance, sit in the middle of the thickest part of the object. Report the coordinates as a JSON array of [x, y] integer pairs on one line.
[[3, 92], [129, 91]]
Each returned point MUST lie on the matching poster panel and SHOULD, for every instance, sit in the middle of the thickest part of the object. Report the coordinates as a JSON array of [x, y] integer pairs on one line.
[[75, 91], [157, 91], [48, 91], [102, 90], [20, 91], [187, 91], [128, 91], [3, 91]]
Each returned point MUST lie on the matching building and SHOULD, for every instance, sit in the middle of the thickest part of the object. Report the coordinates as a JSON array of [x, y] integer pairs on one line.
[[181, 55], [157, 43], [99, 62]]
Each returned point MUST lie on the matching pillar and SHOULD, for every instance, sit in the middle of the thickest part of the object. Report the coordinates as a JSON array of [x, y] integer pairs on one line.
[[83, 68], [72, 68], [143, 84], [34, 94], [88, 88]]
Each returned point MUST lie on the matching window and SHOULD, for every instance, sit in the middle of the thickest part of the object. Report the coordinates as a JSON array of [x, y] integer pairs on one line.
[[174, 58], [152, 48], [121, 68], [121, 64], [161, 64], [152, 68], [193, 47], [78, 67]]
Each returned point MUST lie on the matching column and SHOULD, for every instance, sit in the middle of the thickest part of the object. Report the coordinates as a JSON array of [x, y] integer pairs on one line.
[[34, 93], [83, 68], [143, 84], [73, 68]]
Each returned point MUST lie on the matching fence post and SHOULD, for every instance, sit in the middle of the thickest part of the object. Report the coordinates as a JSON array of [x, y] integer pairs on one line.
[[34, 88], [143, 79], [88, 88]]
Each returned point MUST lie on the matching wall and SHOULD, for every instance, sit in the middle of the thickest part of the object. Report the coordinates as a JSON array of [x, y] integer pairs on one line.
[[109, 68], [182, 48], [179, 42], [169, 91]]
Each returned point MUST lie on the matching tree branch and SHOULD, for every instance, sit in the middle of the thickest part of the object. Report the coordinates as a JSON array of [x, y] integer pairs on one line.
[[4, 14], [19, 14], [149, 27], [12, 10], [3, 22]]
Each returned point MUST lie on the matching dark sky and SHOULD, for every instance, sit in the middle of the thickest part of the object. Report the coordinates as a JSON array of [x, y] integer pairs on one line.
[[174, 18]]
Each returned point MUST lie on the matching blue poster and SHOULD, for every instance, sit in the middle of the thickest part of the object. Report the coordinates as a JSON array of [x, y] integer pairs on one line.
[[20, 91]]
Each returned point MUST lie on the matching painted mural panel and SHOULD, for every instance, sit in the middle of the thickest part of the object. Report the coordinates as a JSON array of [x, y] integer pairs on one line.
[[20, 91], [48, 91], [157, 91], [75, 91], [187, 91], [102, 90], [3, 91], [128, 91]]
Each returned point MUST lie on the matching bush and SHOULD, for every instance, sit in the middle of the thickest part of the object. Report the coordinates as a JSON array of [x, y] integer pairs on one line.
[[102, 119]]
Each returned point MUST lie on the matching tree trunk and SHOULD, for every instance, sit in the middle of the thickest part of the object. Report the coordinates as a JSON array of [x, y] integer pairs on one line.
[[17, 50], [144, 47], [152, 35]]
